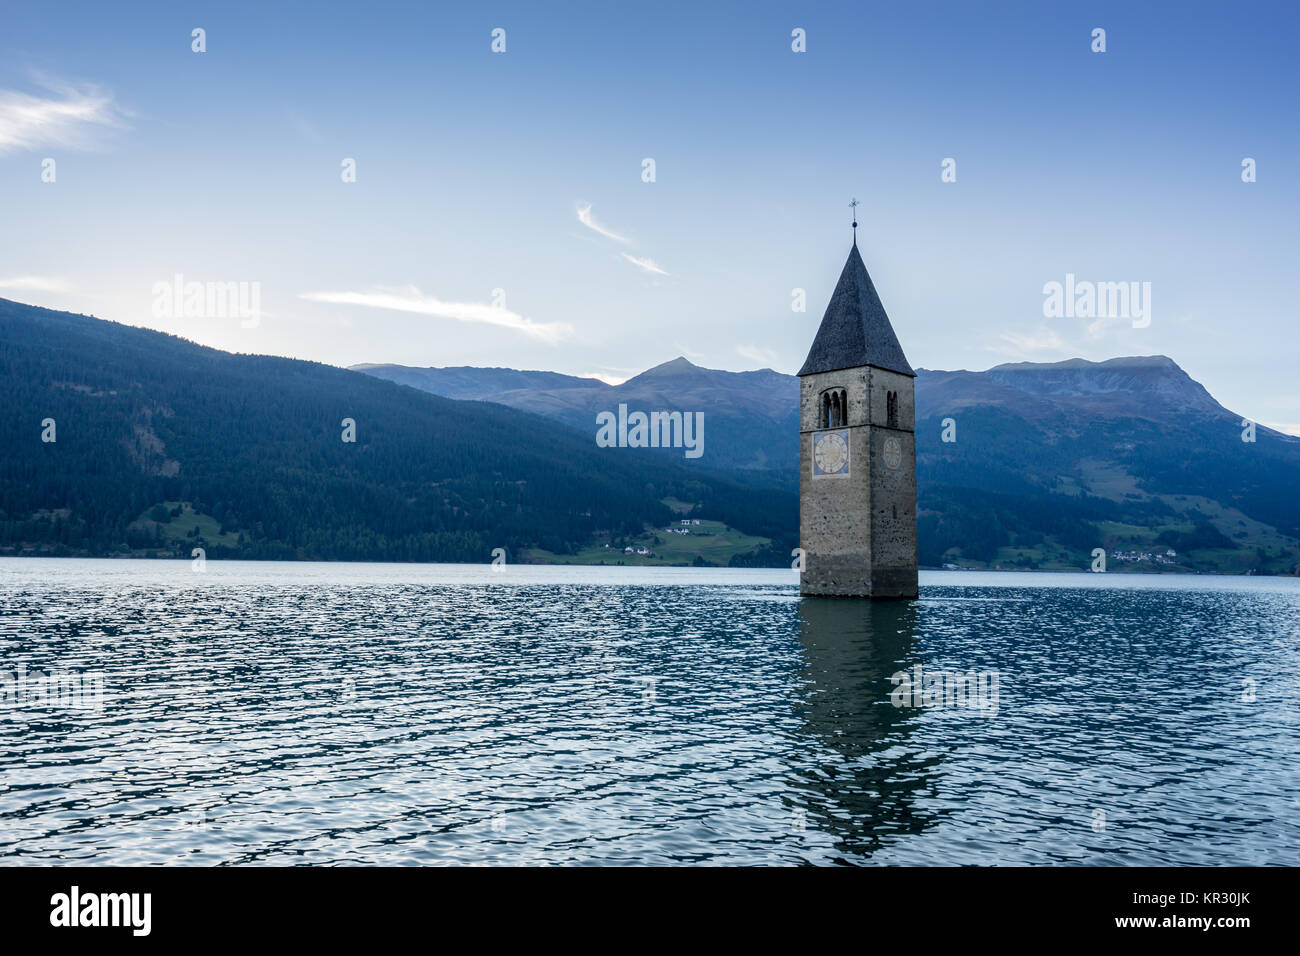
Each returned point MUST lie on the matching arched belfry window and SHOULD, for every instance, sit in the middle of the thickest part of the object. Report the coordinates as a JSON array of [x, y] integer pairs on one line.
[[891, 409], [833, 411]]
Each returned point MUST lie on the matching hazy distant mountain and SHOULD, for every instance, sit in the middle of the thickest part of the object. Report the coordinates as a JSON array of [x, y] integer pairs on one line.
[[161, 445], [1129, 454], [467, 382], [1050, 460], [751, 418]]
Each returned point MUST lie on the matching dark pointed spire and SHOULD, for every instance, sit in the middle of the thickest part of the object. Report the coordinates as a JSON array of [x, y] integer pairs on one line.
[[855, 329]]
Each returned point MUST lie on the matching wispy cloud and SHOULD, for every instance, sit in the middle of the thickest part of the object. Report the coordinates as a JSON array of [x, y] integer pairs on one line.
[[615, 377], [585, 217], [1024, 346], [649, 265], [34, 284], [643, 263], [1098, 326], [1285, 429], [765, 357], [69, 117], [304, 126], [411, 299]]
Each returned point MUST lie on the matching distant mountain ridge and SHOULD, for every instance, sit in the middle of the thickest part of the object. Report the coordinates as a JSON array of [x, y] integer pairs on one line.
[[468, 382], [163, 445], [751, 418], [1143, 377], [156, 445], [1048, 458]]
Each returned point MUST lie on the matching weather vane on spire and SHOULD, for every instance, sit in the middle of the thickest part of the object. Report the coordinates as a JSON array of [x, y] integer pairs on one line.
[[854, 206]]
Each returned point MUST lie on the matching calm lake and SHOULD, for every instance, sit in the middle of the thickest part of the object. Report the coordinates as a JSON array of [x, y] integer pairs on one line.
[[281, 713]]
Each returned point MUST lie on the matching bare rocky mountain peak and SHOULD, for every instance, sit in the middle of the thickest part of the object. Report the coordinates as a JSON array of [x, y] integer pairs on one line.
[[1143, 378]]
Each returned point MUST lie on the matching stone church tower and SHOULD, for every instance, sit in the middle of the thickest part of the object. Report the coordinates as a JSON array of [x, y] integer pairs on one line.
[[857, 456]]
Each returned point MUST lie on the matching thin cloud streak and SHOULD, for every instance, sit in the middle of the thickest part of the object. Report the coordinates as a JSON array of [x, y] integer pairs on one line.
[[411, 299], [649, 265], [1026, 346], [765, 357], [641, 262], [585, 217], [1285, 429], [34, 284], [69, 119], [609, 378]]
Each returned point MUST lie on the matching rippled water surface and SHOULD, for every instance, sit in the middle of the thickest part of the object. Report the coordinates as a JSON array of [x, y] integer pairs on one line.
[[419, 714]]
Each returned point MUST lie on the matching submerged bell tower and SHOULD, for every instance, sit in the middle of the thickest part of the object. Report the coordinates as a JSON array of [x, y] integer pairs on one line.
[[857, 449]]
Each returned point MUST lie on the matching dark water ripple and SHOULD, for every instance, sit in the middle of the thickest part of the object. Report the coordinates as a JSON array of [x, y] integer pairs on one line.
[[349, 714]]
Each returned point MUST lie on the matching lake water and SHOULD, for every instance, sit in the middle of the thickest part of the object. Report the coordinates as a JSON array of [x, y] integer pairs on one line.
[[261, 713]]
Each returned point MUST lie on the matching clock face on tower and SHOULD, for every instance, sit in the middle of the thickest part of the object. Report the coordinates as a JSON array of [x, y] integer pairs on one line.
[[893, 452], [830, 454]]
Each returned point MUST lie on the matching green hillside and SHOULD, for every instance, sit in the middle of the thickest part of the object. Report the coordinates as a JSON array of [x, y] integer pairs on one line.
[[161, 445]]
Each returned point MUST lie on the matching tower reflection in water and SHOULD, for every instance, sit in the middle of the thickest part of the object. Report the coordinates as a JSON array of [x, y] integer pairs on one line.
[[867, 790]]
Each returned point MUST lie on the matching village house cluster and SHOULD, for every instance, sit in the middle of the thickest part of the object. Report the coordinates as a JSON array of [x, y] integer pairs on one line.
[[644, 552], [1148, 557]]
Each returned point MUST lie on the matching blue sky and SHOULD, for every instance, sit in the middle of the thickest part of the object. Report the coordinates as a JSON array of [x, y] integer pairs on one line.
[[476, 170]]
